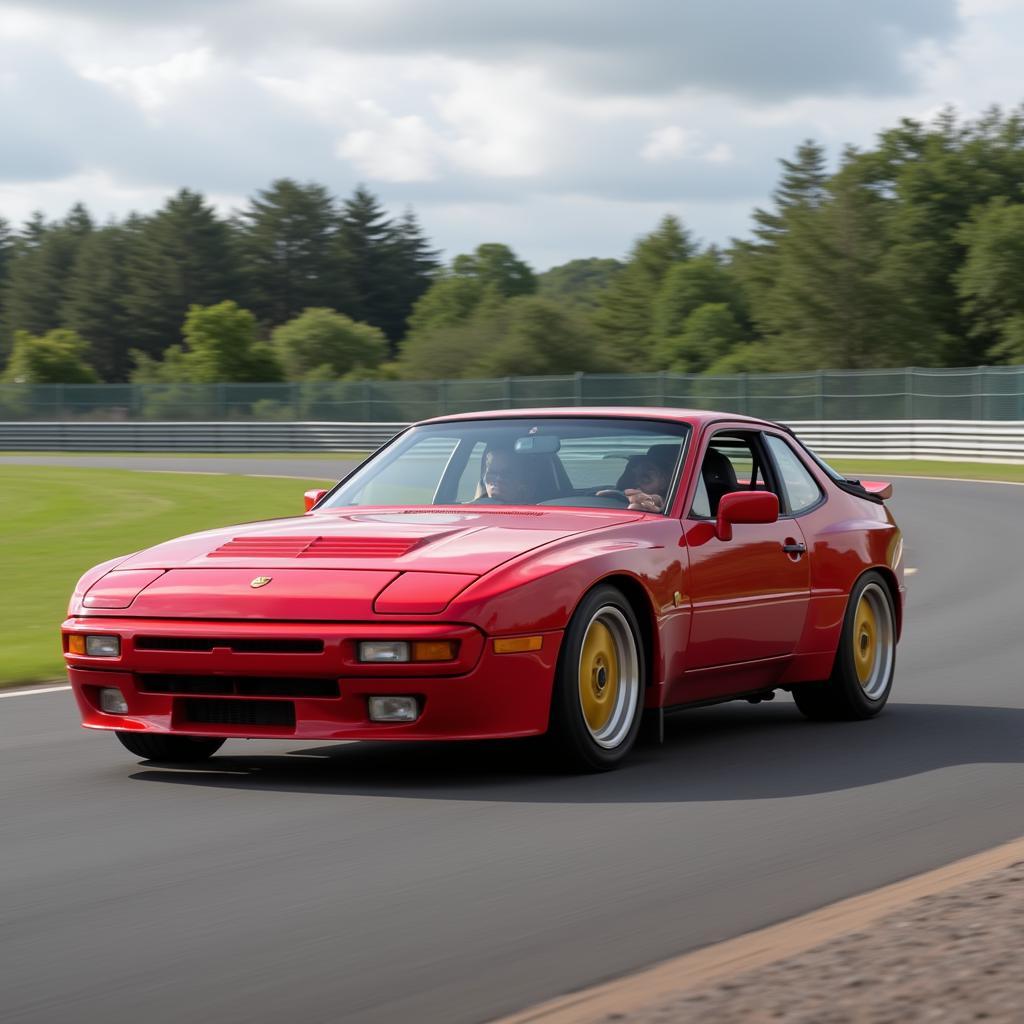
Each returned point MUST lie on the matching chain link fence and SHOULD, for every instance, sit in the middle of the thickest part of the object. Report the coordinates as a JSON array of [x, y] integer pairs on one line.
[[979, 393]]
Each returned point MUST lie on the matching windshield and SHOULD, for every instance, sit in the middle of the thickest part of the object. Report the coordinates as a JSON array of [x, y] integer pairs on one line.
[[578, 462]]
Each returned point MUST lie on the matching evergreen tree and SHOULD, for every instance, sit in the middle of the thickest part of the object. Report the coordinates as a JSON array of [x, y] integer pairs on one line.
[[802, 187], [363, 245], [833, 301], [181, 256], [94, 301], [410, 268], [39, 274], [8, 246], [991, 280], [289, 259], [624, 315]]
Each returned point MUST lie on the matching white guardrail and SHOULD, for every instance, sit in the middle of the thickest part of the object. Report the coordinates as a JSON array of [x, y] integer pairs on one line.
[[970, 440]]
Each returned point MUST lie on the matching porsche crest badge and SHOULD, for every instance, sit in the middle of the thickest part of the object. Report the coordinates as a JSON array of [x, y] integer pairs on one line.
[[260, 581]]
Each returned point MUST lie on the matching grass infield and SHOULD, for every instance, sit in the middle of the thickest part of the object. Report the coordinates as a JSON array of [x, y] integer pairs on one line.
[[884, 468], [56, 522]]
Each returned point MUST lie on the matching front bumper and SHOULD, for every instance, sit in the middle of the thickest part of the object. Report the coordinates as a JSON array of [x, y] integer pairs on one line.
[[309, 695]]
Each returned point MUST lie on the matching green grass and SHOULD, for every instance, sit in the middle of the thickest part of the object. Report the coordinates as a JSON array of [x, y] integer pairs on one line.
[[56, 522], [885, 468]]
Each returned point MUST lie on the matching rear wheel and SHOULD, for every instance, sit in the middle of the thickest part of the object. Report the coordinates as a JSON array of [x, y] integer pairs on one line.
[[172, 749], [598, 695], [862, 676]]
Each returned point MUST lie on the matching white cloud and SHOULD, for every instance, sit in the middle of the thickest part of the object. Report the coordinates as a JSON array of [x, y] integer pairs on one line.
[[668, 143], [153, 86], [720, 153], [399, 149], [564, 129]]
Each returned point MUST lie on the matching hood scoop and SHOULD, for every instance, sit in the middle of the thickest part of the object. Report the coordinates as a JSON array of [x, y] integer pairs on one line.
[[315, 547]]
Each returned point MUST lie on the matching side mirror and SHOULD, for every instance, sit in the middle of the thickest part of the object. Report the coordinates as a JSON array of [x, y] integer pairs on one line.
[[745, 507], [312, 497]]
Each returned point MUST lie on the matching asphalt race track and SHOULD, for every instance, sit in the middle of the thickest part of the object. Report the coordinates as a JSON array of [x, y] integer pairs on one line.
[[289, 882]]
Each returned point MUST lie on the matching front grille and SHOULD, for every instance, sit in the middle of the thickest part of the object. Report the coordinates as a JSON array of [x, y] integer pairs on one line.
[[240, 712], [237, 686], [238, 644]]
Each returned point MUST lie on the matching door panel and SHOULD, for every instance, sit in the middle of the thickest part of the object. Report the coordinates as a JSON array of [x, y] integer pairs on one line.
[[749, 597]]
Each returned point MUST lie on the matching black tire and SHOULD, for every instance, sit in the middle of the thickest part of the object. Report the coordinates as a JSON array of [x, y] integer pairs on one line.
[[846, 694], [170, 749], [604, 614]]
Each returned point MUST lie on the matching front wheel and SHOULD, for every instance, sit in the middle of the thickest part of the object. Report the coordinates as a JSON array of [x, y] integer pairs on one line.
[[171, 749], [599, 687], [862, 675]]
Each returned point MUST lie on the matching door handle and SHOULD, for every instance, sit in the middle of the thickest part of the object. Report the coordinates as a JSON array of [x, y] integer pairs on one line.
[[795, 548]]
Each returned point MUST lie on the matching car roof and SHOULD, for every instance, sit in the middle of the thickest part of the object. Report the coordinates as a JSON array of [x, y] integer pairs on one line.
[[694, 417]]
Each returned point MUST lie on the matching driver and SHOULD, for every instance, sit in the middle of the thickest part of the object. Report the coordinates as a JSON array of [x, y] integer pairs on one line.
[[504, 478], [645, 482]]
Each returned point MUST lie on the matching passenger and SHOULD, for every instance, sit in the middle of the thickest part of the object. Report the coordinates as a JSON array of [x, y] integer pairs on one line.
[[645, 482], [504, 478]]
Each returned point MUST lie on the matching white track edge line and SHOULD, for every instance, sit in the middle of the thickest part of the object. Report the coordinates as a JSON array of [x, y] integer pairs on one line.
[[35, 689]]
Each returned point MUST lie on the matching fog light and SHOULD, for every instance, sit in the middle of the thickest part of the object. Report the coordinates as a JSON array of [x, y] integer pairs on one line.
[[103, 646], [112, 701], [394, 709], [383, 650]]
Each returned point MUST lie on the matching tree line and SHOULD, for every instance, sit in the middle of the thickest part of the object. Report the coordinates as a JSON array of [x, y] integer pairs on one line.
[[909, 253]]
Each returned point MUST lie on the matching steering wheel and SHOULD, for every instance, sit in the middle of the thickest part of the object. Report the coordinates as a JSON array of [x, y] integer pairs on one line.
[[611, 492]]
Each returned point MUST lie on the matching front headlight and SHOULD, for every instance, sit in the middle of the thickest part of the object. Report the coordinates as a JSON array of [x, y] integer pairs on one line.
[[384, 650]]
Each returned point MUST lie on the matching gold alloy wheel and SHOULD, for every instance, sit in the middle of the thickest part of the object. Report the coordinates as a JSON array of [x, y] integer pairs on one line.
[[874, 636], [608, 677]]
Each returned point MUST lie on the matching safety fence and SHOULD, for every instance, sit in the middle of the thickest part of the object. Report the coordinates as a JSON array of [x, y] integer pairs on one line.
[[980, 393], [973, 440]]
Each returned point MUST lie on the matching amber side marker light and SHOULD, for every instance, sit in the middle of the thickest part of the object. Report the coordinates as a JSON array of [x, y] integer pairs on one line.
[[518, 644]]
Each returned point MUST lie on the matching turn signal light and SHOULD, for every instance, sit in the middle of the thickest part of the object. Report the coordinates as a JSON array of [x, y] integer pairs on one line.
[[518, 644], [76, 643], [434, 650]]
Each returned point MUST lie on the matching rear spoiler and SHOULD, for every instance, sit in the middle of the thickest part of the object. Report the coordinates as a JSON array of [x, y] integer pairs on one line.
[[881, 488]]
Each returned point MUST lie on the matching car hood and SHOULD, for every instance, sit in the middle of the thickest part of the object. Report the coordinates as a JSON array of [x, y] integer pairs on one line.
[[331, 565], [468, 542]]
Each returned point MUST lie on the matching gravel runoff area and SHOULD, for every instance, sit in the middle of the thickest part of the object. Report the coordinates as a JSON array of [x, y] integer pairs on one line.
[[950, 956]]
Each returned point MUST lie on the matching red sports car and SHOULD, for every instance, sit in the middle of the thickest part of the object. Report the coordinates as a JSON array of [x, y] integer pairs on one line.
[[504, 574]]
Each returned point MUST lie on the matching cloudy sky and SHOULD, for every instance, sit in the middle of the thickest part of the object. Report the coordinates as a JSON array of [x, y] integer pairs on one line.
[[563, 127]]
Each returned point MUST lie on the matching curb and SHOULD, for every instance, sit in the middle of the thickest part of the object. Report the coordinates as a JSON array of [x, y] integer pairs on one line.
[[669, 979]]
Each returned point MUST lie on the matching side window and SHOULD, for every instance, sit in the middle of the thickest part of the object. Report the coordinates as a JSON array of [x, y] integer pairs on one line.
[[801, 488], [730, 464], [470, 478]]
